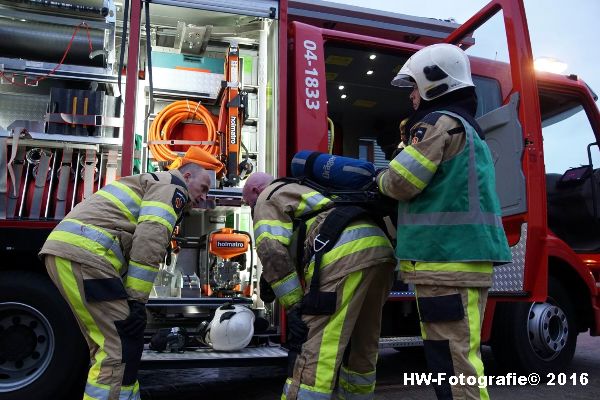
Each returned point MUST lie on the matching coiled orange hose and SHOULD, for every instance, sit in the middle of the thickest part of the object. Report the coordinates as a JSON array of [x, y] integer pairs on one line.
[[172, 115]]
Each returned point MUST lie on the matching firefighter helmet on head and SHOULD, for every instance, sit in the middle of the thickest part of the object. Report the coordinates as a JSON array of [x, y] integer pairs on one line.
[[436, 70]]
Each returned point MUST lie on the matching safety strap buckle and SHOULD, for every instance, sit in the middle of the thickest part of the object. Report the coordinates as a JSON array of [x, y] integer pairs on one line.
[[319, 244]]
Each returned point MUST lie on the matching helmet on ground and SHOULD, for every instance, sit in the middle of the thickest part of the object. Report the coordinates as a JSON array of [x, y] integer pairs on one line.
[[436, 70], [231, 328]]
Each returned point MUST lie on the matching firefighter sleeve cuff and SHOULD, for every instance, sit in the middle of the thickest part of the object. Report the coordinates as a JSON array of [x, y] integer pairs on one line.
[[379, 180], [288, 290], [139, 280]]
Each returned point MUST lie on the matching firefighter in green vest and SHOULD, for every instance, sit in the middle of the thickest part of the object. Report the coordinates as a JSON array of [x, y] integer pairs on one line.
[[450, 230]]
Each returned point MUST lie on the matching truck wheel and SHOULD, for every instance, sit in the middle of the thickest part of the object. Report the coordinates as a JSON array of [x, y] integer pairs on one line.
[[41, 347], [536, 337]]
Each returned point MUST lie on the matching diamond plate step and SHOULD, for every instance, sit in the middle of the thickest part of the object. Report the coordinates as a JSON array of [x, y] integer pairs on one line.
[[400, 341], [250, 356]]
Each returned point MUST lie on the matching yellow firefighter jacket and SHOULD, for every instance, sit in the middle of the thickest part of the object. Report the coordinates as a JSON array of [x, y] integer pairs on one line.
[[126, 225], [361, 245]]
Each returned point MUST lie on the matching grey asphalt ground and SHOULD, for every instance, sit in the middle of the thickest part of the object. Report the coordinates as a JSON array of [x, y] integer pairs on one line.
[[266, 382]]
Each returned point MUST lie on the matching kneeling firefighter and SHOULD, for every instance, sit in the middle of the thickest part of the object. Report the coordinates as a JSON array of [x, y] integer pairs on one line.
[[349, 263]]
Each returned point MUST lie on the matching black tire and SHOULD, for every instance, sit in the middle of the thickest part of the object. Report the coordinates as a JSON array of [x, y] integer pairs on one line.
[[536, 337], [42, 350]]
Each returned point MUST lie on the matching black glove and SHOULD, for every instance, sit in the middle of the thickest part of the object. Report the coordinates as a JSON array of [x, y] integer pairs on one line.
[[297, 331], [266, 292], [135, 323]]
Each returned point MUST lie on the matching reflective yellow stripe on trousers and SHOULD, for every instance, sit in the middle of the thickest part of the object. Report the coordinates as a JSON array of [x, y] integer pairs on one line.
[[69, 284], [356, 386]]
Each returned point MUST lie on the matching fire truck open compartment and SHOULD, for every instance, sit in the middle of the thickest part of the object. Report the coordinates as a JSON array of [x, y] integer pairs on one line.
[[61, 113], [67, 119], [189, 56], [190, 47], [69, 114]]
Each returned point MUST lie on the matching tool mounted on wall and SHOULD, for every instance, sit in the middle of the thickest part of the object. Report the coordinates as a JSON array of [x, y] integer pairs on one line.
[[232, 115]]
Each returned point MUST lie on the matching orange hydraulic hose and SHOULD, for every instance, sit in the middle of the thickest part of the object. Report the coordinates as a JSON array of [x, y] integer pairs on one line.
[[172, 115]]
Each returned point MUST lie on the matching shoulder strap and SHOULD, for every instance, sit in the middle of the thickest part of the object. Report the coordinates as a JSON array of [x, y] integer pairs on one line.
[[464, 118], [329, 232], [284, 182]]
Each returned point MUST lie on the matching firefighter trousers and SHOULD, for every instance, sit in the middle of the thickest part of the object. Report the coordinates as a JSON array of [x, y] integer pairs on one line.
[[451, 319], [98, 300], [356, 320]]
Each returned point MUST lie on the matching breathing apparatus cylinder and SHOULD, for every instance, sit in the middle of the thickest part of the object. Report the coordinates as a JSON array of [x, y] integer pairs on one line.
[[333, 171]]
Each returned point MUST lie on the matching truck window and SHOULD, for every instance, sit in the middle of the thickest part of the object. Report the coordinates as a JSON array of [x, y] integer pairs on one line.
[[488, 94], [565, 125], [573, 201]]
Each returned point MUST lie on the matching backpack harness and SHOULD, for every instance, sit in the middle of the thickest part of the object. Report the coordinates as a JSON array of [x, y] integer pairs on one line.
[[349, 205]]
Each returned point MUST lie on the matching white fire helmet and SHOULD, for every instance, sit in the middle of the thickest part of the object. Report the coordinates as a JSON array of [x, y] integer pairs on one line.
[[231, 328], [436, 70]]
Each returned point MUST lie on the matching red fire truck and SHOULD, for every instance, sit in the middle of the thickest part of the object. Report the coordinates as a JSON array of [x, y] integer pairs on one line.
[[270, 78]]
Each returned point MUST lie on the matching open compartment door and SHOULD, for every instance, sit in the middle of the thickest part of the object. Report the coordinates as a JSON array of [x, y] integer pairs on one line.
[[520, 167], [308, 97]]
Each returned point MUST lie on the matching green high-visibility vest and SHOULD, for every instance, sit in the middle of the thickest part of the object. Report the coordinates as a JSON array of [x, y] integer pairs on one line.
[[457, 216]]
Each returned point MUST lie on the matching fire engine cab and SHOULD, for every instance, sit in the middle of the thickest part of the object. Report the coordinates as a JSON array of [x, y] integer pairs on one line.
[[92, 90]]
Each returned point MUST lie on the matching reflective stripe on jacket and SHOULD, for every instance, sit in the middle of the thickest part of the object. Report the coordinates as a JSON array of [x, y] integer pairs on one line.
[[125, 225], [361, 245]]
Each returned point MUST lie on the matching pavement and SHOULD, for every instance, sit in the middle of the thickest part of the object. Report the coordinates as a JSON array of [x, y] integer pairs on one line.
[[262, 383]]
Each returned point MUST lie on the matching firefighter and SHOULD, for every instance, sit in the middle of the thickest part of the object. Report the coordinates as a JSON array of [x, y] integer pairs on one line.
[[103, 257], [358, 269], [449, 230]]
